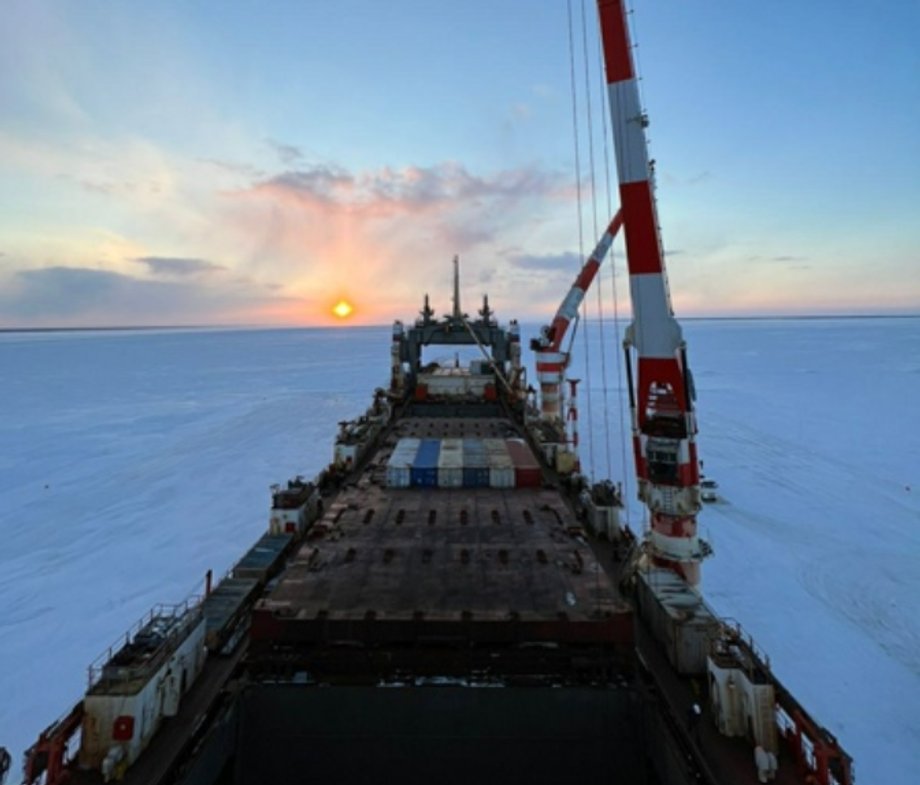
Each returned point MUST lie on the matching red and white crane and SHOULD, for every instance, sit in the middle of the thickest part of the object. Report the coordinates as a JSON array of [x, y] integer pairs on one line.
[[661, 391], [551, 359]]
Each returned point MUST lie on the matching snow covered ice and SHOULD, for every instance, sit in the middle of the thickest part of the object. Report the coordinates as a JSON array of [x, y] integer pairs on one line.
[[132, 462]]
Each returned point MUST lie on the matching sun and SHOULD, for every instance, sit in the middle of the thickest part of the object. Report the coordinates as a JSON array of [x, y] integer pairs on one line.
[[343, 309]]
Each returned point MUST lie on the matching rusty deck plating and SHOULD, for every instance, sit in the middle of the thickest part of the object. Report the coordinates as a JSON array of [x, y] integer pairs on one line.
[[408, 565]]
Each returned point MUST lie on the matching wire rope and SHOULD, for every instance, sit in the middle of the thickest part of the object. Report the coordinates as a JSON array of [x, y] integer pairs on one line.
[[600, 303], [617, 343], [581, 240]]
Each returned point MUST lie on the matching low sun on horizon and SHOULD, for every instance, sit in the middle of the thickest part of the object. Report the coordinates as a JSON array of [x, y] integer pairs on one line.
[[343, 309]]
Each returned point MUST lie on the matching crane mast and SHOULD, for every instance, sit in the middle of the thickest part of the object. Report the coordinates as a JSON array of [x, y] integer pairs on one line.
[[661, 390]]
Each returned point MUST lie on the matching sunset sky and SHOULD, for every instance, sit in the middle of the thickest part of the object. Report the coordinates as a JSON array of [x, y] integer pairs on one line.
[[260, 162]]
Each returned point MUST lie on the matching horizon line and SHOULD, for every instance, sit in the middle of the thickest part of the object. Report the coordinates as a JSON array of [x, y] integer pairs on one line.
[[339, 326]]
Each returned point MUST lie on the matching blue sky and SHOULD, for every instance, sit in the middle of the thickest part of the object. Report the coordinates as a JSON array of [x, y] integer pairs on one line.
[[242, 162]]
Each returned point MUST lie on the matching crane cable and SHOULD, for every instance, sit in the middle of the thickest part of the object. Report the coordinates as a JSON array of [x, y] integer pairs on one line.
[[581, 241], [584, 302], [594, 200], [625, 469]]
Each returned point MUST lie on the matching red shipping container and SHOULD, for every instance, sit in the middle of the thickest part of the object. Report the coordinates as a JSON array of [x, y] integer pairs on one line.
[[527, 472]]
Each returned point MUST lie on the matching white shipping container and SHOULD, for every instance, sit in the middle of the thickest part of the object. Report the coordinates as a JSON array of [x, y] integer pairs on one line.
[[501, 467], [399, 466], [450, 464], [405, 449], [495, 446]]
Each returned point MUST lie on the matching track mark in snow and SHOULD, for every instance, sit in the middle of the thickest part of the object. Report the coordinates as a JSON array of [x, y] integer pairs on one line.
[[877, 601]]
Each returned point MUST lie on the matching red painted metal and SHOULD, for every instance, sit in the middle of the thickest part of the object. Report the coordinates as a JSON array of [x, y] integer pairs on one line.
[[46, 760], [551, 362], [527, 472], [664, 424], [643, 251], [617, 59], [583, 281], [123, 728], [829, 758]]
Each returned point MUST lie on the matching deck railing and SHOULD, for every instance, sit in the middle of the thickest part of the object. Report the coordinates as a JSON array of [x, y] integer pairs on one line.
[[182, 617], [816, 751]]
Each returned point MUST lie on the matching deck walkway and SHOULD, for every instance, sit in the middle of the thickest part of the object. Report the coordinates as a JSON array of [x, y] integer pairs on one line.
[[725, 759], [158, 762]]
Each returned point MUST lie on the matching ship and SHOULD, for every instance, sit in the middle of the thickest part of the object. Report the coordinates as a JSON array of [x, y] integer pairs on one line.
[[451, 599]]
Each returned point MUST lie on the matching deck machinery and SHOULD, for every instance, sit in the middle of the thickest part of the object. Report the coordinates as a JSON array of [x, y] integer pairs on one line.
[[449, 600]]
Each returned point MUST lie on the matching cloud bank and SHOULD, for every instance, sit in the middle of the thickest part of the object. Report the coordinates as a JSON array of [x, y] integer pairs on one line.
[[80, 297], [164, 265]]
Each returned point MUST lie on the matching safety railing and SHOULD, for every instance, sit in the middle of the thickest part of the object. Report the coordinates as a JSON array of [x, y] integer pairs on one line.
[[177, 620]]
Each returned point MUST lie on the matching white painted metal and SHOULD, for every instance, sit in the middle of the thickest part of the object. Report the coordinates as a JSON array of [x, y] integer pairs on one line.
[[551, 357], [628, 125], [683, 549], [148, 704], [670, 499], [654, 332], [455, 382], [739, 705], [678, 617], [282, 521]]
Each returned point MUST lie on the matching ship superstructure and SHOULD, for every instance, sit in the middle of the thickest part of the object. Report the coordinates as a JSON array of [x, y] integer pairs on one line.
[[451, 599]]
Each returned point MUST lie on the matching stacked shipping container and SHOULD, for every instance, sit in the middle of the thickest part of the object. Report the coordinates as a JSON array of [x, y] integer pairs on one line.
[[463, 463], [425, 467], [450, 464], [399, 467], [527, 472], [501, 467], [475, 464]]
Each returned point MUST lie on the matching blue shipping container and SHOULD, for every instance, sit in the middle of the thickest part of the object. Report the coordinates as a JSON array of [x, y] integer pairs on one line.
[[475, 464], [475, 476], [425, 466]]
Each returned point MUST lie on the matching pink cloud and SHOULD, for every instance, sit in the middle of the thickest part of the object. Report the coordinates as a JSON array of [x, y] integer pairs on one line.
[[383, 236]]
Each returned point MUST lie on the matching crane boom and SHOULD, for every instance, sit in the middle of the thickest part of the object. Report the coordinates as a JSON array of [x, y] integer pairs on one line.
[[661, 399], [551, 361]]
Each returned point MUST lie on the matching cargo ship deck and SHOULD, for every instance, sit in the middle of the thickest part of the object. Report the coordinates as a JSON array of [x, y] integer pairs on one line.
[[445, 566], [440, 592]]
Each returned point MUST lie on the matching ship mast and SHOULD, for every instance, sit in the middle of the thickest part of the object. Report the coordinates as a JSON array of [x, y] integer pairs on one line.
[[458, 314], [661, 394]]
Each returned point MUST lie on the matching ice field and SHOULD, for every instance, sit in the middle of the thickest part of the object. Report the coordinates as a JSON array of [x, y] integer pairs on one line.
[[131, 462]]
